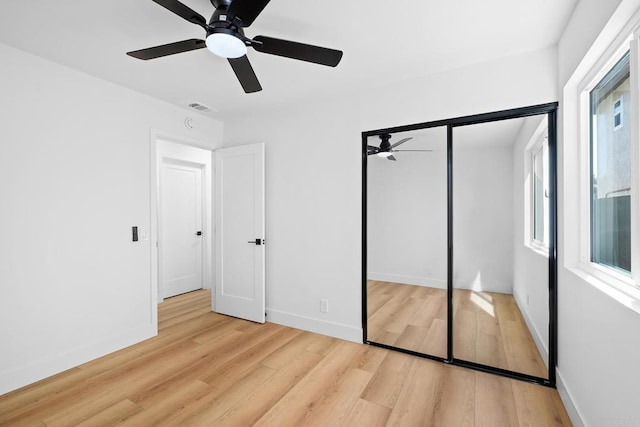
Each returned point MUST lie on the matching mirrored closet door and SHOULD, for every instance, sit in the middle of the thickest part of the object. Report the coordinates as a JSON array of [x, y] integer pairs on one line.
[[407, 244], [501, 281], [459, 241]]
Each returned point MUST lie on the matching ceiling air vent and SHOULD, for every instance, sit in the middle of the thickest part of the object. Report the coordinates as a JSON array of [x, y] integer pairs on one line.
[[201, 107]]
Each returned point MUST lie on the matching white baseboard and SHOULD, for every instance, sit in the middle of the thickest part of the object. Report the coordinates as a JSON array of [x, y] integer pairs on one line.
[[565, 395], [537, 338], [323, 327], [408, 280], [29, 373]]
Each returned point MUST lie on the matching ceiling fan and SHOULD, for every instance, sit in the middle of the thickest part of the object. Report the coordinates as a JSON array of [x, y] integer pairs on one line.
[[225, 38], [386, 149]]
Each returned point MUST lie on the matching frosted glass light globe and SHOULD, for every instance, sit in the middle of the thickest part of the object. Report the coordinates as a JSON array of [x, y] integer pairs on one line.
[[226, 45]]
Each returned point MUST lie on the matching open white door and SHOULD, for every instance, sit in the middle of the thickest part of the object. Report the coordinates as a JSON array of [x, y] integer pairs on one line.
[[240, 232]]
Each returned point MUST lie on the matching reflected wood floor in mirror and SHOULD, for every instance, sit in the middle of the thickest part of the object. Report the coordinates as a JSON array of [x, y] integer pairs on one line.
[[411, 317], [206, 369], [488, 326]]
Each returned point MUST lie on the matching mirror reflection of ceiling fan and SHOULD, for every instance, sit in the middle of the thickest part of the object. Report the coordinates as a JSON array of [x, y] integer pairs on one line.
[[386, 149], [226, 38]]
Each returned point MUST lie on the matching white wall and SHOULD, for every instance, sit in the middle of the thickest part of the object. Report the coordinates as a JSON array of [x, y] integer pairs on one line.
[[313, 176], [599, 347], [74, 177], [530, 266], [483, 218]]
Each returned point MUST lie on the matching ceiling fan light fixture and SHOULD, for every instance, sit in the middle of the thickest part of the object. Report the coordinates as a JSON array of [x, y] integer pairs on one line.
[[384, 153], [226, 45]]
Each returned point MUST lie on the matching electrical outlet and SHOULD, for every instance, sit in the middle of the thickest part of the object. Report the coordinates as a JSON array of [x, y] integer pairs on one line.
[[324, 305], [429, 271]]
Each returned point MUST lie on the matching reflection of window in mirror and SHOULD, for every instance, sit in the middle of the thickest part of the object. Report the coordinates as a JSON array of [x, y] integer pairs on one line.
[[540, 193], [537, 197]]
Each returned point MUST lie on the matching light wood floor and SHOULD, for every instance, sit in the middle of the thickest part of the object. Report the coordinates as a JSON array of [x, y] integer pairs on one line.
[[208, 369], [488, 327]]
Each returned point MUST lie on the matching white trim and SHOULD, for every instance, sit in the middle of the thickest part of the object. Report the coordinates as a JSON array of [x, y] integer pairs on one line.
[[153, 232], [323, 327], [537, 337], [625, 295], [408, 280], [208, 250], [43, 368], [569, 403], [635, 158]]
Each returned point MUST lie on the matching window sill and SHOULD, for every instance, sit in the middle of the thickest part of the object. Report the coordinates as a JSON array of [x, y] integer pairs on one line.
[[539, 250], [630, 297]]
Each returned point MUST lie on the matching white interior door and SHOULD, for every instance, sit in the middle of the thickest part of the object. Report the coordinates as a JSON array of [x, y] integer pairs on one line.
[[240, 246], [181, 223]]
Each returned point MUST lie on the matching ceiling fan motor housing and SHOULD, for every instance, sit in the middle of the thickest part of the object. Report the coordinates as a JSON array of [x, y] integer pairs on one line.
[[221, 4], [220, 17], [385, 145]]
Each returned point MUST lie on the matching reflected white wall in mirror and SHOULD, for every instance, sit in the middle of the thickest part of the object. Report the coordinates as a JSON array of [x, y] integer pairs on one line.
[[407, 211], [483, 205]]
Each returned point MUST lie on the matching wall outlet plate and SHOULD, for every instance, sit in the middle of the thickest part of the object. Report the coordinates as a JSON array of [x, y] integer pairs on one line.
[[324, 305]]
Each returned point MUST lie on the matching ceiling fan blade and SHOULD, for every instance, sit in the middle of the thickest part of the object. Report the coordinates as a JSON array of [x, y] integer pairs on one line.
[[402, 151], [244, 71], [246, 10], [167, 49], [372, 148], [300, 51], [183, 11], [392, 158], [402, 141]]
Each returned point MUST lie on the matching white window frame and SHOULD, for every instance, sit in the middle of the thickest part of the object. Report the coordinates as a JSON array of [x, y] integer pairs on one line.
[[536, 143], [627, 40]]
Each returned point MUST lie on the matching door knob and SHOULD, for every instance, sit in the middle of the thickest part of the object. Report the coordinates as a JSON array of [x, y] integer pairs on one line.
[[198, 233], [256, 242]]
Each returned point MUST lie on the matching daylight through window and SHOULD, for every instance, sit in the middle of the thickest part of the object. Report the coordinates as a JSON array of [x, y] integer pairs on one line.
[[610, 165]]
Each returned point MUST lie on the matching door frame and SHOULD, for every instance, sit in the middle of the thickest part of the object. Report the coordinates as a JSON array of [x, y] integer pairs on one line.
[[208, 248]]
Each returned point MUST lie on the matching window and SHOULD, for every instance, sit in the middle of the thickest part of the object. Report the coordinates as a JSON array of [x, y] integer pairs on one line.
[[540, 193], [600, 160], [610, 168]]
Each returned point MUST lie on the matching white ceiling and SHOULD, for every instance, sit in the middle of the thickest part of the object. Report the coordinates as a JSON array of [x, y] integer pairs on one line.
[[503, 133], [382, 42]]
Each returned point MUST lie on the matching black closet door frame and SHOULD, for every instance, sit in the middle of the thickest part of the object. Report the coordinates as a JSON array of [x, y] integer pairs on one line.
[[550, 109]]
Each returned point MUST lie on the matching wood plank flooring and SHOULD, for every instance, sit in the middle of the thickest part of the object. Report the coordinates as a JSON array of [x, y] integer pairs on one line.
[[488, 327], [204, 369]]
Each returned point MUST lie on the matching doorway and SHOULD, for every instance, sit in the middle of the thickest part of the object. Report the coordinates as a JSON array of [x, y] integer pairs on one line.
[[186, 243], [184, 218]]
